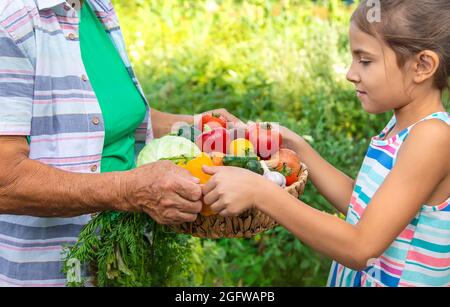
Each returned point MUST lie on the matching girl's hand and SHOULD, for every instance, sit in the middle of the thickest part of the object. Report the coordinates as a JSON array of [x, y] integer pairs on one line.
[[231, 190]]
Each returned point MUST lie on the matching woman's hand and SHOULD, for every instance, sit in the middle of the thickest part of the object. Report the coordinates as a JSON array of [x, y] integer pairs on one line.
[[291, 140], [231, 190], [166, 192], [164, 123], [230, 118]]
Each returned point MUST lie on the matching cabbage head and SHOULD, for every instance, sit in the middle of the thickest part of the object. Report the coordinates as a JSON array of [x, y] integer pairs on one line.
[[167, 147]]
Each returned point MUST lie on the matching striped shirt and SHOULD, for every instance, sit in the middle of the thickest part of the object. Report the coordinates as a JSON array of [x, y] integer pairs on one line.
[[420, 255], [45, 94]]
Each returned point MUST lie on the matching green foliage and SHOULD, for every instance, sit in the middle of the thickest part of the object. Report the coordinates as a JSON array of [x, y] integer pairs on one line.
[[264, 60], [273, 259], [130, 250]]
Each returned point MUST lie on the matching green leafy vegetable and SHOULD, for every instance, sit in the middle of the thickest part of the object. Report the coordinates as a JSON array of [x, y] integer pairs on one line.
[[130, 249], [167, 147]]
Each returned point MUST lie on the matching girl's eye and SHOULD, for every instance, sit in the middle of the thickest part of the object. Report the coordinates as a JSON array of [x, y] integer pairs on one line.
[[365, 62]]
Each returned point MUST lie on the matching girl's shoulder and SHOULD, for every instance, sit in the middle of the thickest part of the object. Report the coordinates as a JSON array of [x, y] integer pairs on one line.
[[429, 139], [434, 126]]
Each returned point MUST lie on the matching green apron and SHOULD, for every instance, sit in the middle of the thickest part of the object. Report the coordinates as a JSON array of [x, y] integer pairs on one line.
[[122, 105]]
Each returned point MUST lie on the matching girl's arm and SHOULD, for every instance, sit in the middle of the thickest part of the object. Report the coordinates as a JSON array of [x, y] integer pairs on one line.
[[421, 166], [331, 183]]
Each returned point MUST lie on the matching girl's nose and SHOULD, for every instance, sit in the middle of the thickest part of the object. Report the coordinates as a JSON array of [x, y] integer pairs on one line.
[[352, 76]]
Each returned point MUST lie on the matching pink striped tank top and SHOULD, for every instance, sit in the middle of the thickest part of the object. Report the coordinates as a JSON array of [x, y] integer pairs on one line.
[[420, 255]]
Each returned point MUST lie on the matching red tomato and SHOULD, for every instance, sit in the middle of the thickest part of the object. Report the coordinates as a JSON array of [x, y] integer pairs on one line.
[[266, 139], [213, 121], [216, 140], [288, 163]]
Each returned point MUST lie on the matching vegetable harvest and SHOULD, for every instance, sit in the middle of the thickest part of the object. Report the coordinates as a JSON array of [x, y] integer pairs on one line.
[[130, 249]]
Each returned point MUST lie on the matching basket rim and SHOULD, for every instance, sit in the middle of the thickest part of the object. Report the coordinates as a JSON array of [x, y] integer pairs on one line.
[[210, 227]]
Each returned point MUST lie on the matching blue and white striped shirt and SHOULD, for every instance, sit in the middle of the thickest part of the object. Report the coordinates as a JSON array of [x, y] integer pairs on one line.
[[45, 94]]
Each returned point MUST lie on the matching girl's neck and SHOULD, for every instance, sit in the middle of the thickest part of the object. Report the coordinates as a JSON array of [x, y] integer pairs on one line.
[[420, 107]]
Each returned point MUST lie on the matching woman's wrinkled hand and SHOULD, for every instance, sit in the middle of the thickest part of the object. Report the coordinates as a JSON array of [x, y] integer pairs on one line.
[[165, 191]]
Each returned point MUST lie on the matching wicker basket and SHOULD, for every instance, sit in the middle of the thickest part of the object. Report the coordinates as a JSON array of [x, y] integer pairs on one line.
[[246, 225]]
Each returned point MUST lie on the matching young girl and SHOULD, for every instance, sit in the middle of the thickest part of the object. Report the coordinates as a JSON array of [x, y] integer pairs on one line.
[[397, 230]]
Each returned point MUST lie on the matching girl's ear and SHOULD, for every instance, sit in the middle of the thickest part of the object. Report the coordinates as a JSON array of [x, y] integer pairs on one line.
[[425, 66]]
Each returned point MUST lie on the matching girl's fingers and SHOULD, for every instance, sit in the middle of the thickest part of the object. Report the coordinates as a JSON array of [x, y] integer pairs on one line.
[[208, 187], [211, 197], [211, 170], [218, 207]]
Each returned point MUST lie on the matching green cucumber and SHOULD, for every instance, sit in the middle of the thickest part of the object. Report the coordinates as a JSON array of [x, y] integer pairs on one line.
[[250, 162]]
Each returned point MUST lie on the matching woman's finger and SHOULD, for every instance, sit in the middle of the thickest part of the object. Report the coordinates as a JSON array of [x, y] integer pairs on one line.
[[175, 218], [184, 205], [187, 189], [184, 218]]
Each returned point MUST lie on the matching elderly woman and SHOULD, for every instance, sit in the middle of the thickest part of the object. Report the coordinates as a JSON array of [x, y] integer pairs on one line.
[[71, 117]]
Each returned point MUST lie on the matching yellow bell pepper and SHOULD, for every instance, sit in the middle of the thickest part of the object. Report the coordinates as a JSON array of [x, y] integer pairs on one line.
[[194, 166]]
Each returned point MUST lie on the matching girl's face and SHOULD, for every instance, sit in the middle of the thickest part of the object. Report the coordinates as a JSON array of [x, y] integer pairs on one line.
[[380, 84]]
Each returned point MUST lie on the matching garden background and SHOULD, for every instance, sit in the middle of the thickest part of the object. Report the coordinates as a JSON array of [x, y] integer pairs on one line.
[[282, 61]]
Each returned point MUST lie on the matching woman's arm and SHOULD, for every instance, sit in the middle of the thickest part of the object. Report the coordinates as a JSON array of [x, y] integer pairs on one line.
[[27, 187], [163, 123], [333, 184], [421, 167]]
